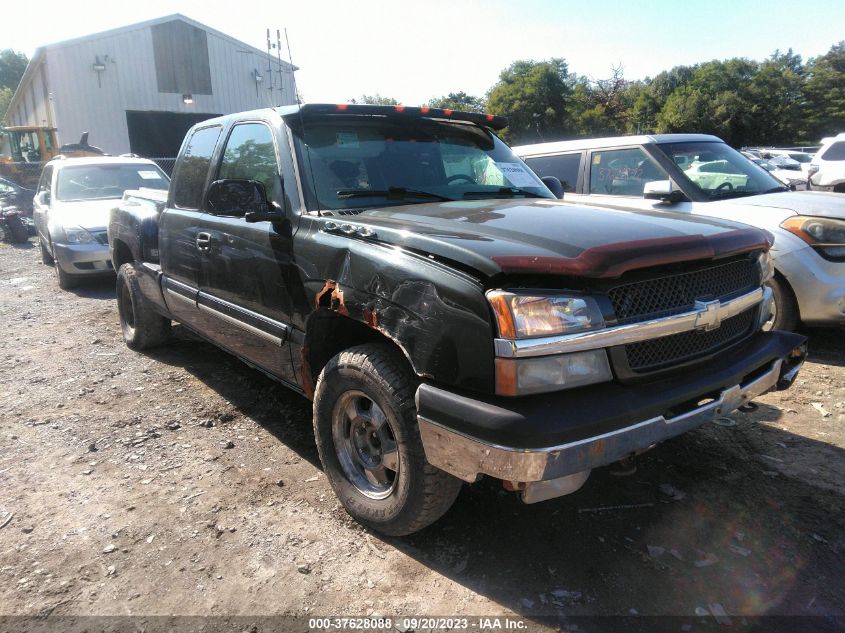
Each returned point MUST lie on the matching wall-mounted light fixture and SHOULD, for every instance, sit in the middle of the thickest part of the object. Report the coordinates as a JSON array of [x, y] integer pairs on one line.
[[187, 99], [99, 68]]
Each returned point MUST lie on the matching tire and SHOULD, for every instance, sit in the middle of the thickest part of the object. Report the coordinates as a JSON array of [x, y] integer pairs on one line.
[[142, 326], [785, 306], [46, 257], [66, 280], [403, 492], [17, 230]]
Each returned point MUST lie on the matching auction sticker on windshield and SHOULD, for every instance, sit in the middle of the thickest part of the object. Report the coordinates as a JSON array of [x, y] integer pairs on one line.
[[516, 174], [149, 175], [347, 139]]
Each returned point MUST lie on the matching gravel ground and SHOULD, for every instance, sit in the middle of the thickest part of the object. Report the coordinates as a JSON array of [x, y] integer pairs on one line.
[[182, 482]]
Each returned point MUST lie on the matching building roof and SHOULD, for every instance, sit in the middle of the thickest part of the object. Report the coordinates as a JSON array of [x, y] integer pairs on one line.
[[611, 141], [38, 55]]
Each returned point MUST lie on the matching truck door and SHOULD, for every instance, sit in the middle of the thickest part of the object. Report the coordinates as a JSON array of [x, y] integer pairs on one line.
[[182, 238], [40, 212], [245, 288]]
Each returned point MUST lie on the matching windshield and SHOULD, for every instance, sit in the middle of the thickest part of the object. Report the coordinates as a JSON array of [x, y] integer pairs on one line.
[[349, 162], [103, 182], [718, 171]]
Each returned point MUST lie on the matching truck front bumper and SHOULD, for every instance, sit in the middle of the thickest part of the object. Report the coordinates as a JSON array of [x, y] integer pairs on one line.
[[549, 437]]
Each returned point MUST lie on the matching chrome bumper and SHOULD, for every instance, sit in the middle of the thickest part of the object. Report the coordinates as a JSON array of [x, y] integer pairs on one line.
[[468, 458]]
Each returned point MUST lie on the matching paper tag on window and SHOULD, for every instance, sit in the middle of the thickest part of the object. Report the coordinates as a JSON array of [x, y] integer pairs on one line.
[[347, 139], [516, 174], [149, 175]]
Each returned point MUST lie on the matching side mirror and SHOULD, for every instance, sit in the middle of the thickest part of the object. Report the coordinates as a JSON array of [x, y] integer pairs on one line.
[[554, 185], [43, 198], [237, 197], [662, 190]]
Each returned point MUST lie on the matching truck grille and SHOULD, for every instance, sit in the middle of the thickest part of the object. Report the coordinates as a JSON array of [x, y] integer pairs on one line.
[[678, 348], [673, 294]]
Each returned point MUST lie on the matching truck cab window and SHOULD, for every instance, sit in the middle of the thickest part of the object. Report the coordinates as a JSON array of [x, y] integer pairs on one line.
[[251, 155], [191, 171]]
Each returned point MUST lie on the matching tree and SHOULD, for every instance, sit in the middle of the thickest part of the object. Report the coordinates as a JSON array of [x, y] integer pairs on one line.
[[375, 99], [458, 101], [12, 67], [776, 94], [824, 91], [533, 95]]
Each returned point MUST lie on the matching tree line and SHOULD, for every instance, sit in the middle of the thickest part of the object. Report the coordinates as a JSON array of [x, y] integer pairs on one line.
[[779, 101]]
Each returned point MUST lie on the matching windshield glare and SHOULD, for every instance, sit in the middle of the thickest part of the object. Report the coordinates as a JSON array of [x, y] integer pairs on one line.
[[451, 160], [104, 182], [719, 171]]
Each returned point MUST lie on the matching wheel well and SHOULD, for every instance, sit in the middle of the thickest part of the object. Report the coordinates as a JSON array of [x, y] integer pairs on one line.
[[328, 334], [788, 288], [840, 188], [121, 254]]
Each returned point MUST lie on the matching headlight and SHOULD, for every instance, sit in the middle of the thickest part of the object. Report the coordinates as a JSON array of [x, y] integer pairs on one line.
[[77, 235], [524, 376], [526, 316], [826, 235], [765, 266]]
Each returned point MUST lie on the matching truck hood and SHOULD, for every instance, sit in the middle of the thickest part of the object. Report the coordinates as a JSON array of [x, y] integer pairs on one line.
[[827, 205], [89, 214], [547, 236]]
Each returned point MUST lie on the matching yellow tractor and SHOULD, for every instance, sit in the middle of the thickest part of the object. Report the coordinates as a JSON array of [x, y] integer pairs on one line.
[[30, 147]]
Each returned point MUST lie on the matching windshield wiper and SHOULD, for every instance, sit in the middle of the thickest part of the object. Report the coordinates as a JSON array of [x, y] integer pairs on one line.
[[733, 193], [391, 193], [776, 189], [509, 192]]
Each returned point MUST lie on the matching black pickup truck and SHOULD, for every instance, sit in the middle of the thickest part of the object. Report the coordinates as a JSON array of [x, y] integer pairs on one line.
[[448, 316]]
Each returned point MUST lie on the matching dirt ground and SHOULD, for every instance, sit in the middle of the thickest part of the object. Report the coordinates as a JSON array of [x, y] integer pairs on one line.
[[182, 482]]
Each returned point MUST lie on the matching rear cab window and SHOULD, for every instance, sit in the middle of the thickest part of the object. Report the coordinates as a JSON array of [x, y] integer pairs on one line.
[[564, 167], [191, 171]]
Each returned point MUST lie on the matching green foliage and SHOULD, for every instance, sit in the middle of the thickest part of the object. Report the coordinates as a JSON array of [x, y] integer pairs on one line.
[[5, 98], [458, 101], [12, 66], [375, 99], [533, 95], [824, 90]]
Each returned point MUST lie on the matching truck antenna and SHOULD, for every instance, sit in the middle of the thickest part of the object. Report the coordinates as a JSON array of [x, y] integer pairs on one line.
[[302, 124]]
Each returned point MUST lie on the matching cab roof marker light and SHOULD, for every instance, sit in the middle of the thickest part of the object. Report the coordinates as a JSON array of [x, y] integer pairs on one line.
[[342, 106], [399, 108]]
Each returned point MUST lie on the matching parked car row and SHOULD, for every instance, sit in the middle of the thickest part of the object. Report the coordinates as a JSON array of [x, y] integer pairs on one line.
[[447, 314]]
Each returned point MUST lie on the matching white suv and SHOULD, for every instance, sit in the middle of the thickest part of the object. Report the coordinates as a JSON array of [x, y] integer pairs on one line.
[[697, 174], [827, 170]]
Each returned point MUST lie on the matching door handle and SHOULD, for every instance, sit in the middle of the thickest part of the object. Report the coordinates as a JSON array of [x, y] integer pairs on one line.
[[204, 241]]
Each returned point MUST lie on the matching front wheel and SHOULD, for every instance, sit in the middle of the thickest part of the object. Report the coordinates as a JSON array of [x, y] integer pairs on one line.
[[142, 327], [369, 443], [784, 308], [46, 257], [66, 280]]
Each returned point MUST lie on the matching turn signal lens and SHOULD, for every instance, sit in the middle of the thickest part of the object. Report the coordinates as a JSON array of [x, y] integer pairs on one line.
[[525, 376]]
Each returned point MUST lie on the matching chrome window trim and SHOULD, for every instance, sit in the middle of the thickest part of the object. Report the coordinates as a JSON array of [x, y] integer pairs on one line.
[[699, 319]]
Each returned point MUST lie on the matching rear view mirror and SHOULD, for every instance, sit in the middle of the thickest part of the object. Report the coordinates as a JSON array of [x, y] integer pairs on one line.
[[43, 198], [554, 185], [661, 190], [234, 196]]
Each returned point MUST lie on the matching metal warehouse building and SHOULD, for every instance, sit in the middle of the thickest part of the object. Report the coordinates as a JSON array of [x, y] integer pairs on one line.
[[139, 88]]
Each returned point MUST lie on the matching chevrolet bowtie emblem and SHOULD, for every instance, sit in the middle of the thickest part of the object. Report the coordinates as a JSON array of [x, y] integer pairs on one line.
[[708, 317]]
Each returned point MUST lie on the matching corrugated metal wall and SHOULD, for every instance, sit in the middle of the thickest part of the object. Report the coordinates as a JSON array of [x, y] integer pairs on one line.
[[84, 100]]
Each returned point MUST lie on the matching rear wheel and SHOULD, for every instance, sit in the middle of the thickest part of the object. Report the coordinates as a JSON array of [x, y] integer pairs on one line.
[[142, 326], [369, 443], [784, 308], [17, 229]]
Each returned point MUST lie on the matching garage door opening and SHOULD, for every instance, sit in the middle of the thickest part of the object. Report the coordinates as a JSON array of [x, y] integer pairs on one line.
[[160, 134]]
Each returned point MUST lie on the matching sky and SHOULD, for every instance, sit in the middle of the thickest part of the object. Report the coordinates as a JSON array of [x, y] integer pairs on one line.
[[414, 51]]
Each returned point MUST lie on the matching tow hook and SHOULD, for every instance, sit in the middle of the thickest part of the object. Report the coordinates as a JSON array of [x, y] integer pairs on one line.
[[791, 365]]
